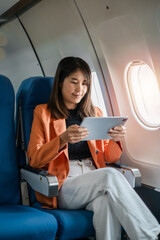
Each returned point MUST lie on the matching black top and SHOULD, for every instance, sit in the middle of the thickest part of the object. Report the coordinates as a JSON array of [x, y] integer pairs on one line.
[[78, 150]]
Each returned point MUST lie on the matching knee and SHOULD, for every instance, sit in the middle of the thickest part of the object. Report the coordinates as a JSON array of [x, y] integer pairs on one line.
[[113, 174], [112, 171]]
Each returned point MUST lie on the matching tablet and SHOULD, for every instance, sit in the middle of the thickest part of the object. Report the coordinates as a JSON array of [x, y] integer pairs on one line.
[[98, 127]]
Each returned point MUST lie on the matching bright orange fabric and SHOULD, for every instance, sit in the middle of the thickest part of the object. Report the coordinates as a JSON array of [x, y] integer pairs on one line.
[[43, 150]]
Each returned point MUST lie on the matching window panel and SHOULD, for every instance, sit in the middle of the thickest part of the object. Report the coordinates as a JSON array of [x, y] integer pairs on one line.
[[145, 93], [96, 94]]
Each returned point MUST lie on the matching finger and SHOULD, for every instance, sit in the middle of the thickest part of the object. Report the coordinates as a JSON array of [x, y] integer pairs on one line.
[[77, 139], [72, 128], [76, 129], [120, 128], [78, 134], [118, 137], [115, 134], [82, 129], [117, 130]]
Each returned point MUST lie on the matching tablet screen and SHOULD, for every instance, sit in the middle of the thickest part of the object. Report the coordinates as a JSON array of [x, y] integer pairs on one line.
[[98, 127]]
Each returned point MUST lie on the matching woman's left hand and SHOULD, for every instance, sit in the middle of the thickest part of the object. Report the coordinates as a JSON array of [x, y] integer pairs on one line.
[[117, 133]]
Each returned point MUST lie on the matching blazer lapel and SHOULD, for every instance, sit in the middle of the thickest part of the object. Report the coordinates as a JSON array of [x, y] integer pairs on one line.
[[60, 127]]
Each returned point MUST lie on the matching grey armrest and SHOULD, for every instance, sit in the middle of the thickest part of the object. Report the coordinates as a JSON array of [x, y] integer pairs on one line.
[[40, 181], [132, 175]]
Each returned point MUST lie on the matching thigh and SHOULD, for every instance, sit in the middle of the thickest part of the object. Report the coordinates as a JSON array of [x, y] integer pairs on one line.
[[76, 192]]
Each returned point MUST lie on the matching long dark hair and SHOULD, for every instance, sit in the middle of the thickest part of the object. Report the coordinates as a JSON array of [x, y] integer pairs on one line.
[[56, 105]]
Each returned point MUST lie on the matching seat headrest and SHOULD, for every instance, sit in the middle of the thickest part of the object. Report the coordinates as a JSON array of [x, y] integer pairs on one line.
[[35, 90], [6, 92], [32, 91]]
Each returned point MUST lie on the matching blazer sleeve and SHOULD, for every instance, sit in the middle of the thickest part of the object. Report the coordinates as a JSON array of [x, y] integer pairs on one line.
[[40, 152], [112, 149]]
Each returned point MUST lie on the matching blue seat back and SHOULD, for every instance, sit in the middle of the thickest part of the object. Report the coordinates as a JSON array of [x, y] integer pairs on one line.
[[9, 177], [32, 91]]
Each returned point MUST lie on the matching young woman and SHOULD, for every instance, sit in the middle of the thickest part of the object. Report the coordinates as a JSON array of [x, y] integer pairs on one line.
[[56, 143]]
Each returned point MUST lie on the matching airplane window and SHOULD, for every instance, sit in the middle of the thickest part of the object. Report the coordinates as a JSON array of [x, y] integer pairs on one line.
[[96, 94], [145, 93]]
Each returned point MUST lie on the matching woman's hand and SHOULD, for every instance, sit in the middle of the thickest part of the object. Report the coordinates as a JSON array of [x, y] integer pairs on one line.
[[73, 134], [117, 133]]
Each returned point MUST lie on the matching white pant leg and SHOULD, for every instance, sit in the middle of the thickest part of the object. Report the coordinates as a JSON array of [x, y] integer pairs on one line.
[[77, 192], [106, 223]]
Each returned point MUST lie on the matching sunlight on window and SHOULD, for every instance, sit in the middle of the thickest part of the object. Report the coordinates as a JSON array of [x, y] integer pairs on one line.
[[145, 93], [96, 94]]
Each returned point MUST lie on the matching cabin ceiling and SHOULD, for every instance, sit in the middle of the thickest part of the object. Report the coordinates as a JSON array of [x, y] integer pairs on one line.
[[9, 8], [6, 4]]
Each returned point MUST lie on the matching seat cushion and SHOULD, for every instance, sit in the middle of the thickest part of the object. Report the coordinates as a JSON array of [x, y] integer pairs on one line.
[[72, 224], [26, 223]]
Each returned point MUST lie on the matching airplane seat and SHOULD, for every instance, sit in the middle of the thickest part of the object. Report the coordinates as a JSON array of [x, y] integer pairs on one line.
[[29, 102], [72, 224], [17, 221]]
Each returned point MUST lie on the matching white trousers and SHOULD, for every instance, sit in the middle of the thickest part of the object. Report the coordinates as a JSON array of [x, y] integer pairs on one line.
[[108, 194]]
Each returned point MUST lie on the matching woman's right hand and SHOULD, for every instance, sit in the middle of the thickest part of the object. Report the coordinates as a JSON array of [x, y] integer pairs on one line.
[[73, 134]]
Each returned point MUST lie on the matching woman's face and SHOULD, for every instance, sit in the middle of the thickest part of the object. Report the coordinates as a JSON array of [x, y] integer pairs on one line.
[[73, 89]]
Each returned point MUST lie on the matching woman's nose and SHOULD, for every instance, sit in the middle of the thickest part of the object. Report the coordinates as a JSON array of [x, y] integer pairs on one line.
[[79, 87]]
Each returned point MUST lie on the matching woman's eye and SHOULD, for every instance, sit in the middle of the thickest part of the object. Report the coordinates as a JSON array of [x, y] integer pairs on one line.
[[85, 83], [73, 82]]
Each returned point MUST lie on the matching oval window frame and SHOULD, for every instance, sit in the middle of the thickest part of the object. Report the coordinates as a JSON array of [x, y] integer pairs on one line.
[[140, 109]]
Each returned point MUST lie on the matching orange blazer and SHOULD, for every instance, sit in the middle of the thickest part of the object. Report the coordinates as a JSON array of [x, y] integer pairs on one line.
[[43, 150]]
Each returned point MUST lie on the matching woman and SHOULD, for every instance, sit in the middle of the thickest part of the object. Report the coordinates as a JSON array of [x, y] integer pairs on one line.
[[56, 143]]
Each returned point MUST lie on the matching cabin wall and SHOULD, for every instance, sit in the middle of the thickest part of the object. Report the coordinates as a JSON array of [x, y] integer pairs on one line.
[[17, 58], [123, 32]]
